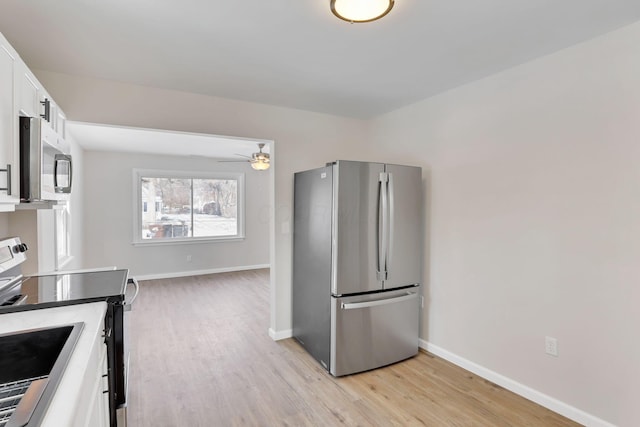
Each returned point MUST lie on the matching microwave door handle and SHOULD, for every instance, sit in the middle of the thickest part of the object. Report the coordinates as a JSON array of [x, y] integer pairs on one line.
[[58, 158], [70, 171], [55, 172]]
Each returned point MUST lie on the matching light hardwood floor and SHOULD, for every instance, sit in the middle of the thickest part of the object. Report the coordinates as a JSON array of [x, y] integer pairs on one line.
[[201, 356]]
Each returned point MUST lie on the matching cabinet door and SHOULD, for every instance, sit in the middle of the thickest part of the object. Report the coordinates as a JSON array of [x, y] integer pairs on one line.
[[103, 397], [28, 93], [9, 194], [96, 392], [61, 123]]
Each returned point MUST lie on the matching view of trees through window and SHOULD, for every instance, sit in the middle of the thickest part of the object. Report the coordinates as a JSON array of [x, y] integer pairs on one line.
[[188, 207]]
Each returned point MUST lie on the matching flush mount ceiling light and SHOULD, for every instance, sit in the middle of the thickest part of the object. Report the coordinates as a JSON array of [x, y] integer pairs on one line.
[[361, 10]]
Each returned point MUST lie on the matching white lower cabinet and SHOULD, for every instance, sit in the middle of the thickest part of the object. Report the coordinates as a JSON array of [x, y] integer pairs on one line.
[[93, 406], [99, 412]]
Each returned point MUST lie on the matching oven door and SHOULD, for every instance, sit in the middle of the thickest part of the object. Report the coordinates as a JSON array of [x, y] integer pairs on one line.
[[122, 354]]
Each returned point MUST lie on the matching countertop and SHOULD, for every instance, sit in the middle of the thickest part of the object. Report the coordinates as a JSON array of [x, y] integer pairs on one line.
[[63, 405]]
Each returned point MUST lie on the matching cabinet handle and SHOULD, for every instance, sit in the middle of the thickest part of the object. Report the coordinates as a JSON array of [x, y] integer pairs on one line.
[[47, 109], [8, 187], [107, 334]]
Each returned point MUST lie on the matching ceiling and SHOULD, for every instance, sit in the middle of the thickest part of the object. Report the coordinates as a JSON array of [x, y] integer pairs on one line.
[[128, 139], [295, 53]]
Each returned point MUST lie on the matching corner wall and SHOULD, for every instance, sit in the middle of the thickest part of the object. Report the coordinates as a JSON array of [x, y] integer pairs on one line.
[[533, 222]]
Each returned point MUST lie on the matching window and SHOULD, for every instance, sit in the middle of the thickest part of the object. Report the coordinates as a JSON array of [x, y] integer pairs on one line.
[[63, 252], [182, 206]]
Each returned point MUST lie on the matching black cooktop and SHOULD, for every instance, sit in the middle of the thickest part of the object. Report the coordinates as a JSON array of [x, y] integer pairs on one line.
[[71, 288]]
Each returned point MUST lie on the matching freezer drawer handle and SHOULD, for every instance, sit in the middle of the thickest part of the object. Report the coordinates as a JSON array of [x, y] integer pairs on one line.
[[356, 305]]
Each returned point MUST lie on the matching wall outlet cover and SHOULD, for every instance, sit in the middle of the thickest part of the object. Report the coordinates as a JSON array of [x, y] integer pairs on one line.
[[551, 346]]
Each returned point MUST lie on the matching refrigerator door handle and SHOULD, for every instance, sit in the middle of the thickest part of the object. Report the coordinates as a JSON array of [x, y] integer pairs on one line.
[[390, 223], [382, 226], [374, 303]]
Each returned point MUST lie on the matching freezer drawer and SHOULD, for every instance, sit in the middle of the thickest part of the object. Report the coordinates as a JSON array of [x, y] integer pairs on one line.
[[369, 331]]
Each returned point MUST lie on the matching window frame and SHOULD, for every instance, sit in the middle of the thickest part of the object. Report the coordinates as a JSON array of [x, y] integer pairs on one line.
[[138, 174], [62, 235]]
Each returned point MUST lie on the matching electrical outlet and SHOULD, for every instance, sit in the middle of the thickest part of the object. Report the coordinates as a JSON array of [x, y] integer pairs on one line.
[[551, 346], [188, 258]]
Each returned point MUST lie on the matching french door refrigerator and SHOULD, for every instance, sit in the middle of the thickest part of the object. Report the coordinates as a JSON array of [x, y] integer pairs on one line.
[[357, 251]]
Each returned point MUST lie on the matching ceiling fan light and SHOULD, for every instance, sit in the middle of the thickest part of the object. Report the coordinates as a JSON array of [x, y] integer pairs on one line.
[[361, 10], [260, 165]]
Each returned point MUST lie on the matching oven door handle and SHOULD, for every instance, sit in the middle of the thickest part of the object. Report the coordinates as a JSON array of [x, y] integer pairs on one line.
[[134, 282], [22, 300]]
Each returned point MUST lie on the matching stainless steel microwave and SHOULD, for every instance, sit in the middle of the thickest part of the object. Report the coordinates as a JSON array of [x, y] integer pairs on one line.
[[45, 162]]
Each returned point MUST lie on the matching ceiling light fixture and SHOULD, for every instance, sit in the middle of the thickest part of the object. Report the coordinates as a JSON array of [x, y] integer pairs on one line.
[[260, 161], [361, 10]]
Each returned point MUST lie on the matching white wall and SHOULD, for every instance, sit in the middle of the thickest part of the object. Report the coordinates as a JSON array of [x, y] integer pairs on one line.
[[533, 183], [110, 214], [532, 206], [4, 225], [303, 140]]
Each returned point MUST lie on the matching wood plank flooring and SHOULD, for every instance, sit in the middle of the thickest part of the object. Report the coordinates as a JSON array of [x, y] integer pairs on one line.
[[201, 356]]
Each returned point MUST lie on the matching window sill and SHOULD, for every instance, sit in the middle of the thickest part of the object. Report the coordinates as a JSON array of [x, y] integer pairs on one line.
[[192, 241]]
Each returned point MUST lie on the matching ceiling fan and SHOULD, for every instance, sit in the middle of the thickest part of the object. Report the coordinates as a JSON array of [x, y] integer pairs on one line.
[[259, 161]]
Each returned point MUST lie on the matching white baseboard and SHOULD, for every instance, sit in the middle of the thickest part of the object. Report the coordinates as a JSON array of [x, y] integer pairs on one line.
[[199, 272], [280, 335], [542, 399]]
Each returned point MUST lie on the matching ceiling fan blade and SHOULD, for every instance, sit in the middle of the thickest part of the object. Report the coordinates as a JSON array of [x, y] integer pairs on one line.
[[232, 161]]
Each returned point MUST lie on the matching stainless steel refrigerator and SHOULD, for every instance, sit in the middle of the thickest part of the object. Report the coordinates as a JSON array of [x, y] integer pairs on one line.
[[357, 251]]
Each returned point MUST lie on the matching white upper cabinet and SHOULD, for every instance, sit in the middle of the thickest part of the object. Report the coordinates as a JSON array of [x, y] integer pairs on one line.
[[20, 95], [28, 96], [61, 123], [9, 154]]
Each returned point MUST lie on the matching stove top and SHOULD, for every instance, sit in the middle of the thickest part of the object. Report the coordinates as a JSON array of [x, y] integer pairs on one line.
[[19, 293], [74, 286]]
